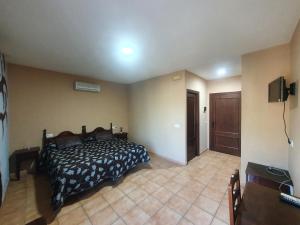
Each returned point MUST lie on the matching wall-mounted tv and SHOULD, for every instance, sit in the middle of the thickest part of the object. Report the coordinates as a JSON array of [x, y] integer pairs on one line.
[[278, 91]]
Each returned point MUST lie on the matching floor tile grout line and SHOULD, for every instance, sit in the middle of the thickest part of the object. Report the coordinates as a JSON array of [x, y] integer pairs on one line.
[[87, 214]]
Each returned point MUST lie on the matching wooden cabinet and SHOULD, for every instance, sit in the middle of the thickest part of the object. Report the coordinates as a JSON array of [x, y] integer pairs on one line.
[[23, 155]]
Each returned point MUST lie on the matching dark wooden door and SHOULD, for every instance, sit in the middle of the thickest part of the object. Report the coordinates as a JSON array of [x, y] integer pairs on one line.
[[225, 122], [192, 124]]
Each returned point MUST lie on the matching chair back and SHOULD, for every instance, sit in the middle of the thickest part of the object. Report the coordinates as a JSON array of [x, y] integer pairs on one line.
[[234, 196]]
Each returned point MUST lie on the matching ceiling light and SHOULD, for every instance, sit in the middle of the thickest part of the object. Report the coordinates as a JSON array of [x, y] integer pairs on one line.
[[221, 71], [127, 51]]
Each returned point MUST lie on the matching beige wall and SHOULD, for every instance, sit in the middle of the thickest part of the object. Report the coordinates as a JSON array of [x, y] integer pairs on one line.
[[224, 85], [158, 115], [263, 139], [41, 99], [294, 153], [196, 83]]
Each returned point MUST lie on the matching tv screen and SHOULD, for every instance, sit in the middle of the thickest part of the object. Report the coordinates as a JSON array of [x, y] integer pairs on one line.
[[277, 90]]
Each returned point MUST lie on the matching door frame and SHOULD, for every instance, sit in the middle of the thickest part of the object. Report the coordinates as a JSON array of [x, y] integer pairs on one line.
[[211, 107], [197, 121]]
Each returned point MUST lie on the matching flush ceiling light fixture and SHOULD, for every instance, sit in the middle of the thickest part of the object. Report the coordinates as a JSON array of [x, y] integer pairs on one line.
[[221, 71], [127, 51]]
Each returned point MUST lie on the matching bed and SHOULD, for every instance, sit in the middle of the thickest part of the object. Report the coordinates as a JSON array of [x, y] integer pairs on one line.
[[78, 162]]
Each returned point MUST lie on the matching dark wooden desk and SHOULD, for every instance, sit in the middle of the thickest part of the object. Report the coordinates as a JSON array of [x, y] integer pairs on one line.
[[262, 206], [258, 173]]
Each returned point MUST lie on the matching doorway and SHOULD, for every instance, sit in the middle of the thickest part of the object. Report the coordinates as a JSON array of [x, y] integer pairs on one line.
[[192, 104], [225, 122]]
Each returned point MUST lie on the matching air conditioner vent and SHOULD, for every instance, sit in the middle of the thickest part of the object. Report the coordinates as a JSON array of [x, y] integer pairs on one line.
[[82, 86]]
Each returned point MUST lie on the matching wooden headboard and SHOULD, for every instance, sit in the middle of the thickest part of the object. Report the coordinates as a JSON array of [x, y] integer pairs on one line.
[[96, 130], [83, 134]]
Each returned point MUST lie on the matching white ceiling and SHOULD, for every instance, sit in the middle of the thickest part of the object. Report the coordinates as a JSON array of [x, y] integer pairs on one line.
[[86, 36]]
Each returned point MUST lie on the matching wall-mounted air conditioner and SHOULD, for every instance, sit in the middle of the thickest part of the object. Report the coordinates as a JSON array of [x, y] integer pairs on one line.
[[82, 86]]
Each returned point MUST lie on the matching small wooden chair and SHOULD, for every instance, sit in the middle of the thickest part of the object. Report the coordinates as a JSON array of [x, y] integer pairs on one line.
[[234, 196]]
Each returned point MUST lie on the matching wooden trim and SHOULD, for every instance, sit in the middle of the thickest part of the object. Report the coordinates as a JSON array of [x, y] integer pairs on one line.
[[197, 120]]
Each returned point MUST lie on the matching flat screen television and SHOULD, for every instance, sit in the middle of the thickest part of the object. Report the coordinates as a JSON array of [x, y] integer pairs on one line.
[[277, 90]]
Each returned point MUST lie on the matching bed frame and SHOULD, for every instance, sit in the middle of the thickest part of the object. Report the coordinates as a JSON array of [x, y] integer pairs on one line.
[[82, 135]]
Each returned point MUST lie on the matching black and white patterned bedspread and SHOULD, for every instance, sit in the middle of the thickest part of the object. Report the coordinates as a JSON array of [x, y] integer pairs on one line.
[[79, 168]]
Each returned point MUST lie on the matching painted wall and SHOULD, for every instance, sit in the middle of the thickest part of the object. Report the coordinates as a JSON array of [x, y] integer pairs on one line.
[[225, 85], [157, 115], [42, 99], [294, 153], [4, 146], [263, 139], [197, 83]]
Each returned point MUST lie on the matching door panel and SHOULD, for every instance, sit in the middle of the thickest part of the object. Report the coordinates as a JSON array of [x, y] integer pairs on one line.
[[225, 122], [192, 124]]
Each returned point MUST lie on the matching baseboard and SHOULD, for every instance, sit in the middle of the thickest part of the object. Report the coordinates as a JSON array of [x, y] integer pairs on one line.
[[168, 159]]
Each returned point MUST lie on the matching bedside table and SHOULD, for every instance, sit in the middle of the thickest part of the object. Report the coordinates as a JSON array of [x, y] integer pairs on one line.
[[122, 135], [25, 154]]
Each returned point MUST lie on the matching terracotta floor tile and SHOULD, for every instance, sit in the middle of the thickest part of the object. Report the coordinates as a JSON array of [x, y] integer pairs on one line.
[[104, 217], [136, 216], [150, 187], [207, 204], [178, 204], [123, 205], [113, 195], [167, 173], [198, 216], [184, 221], [150, 205], [166, 216], [218, 222], [138, 195], [119, 222], [74, 217], [188, 194], [94, 205], [195, 186], [139, 180], [86, 222], [180, 179], [127, 187], [212, 194], [173, 186], [160, 179], [162, 194], [223, 214]]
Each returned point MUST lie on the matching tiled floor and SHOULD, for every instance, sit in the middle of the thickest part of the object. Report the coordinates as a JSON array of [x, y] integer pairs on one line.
[[160, 194]]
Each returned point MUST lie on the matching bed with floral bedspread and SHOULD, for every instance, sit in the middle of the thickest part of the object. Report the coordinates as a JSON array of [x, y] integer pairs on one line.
[[78, 168]]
